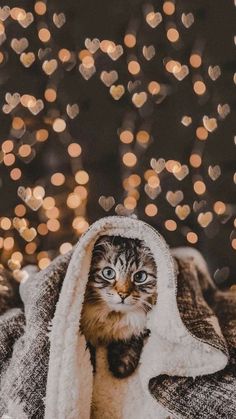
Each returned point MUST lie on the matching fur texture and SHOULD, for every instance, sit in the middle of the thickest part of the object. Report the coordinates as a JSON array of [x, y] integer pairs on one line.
[[115, 308], [121, 289]]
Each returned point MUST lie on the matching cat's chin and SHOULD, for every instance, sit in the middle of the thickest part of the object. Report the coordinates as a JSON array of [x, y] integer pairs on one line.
[[122, 308]]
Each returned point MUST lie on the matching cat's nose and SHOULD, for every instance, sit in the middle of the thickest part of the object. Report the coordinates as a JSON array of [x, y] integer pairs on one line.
[[123, 295]]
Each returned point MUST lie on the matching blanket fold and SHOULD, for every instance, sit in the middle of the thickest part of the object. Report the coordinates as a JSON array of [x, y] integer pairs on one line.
[[46, 370]]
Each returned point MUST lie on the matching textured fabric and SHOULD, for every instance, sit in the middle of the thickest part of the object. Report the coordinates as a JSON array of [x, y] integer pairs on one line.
[[170, 348], [9, 291], [23, 381], [27, 352], [11, 328], [212, 396], [195, 312]]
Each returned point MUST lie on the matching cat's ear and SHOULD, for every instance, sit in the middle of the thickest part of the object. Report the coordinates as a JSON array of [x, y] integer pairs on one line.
[[102, 245], [102, 241], [103, 238]]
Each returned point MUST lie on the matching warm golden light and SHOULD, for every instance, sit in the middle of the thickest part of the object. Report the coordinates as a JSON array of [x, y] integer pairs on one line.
[[107, 46], [59, 125], [2, 29], [201, 133], [65, 247], [199, 87], [9, 159], [153, 181], [44, 35], [154, 88], [73, 201], [81, 191], [130, 202], [126, 137], [134, 67], [43, 263], [219, 207], [17, 123], [170, 225], [192, 237], [17, 13], [130, 40], [80, 224], [148, 173], [173, 166], [88, 61], [42, 135], [52, 212], [129, 159], [199, 187], [172, 35], [8, 243], [195, 60], [151, 210], [169, 8], [40, 8], [27, 100], [134, 180], [195, 160], [7, 146], [39, 192], [30, 248], [50, 95], [64, 55], [42, 229], [5, 223], [142, 137], [84, 53], [24, 150], [74, 150], [53, 225], [82, 177], [17, 256], [173, 66], [15, 174], [48, 202], [57, 179], [20, 210]]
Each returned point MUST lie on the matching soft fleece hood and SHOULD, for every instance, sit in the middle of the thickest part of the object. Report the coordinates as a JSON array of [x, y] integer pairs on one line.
[[171, 349]]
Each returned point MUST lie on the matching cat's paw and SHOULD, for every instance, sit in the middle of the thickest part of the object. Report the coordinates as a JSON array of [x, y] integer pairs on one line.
[[121, 366], [123, 357], [92, 351]]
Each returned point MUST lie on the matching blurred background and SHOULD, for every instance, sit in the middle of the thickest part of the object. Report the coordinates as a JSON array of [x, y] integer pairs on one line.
[[117, 107]]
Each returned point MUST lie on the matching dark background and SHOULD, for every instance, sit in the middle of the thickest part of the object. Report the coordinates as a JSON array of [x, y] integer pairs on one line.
[[96, 128]]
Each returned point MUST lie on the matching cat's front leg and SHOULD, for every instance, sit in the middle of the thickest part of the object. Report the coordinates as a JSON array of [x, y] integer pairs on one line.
[[92, 351], [124, 355]]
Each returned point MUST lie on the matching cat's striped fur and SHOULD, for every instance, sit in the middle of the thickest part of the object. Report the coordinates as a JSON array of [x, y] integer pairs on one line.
[[115, 309]]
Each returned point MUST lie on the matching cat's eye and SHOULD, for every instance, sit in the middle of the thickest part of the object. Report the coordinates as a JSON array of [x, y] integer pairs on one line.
[[108, 273], [140, 277]]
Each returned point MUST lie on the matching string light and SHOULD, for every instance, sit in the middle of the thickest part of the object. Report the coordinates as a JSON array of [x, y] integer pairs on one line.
[[129, 159], [151, 210], [60, 197], [170, 225], [199, 87]]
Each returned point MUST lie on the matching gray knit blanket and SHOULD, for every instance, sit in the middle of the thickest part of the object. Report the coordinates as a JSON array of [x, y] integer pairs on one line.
[[187, 370]]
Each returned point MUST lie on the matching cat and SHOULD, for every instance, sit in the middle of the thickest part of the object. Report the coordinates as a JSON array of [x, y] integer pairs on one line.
[[121, 289]]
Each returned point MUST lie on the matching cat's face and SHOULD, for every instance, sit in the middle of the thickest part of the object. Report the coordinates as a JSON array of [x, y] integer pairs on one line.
[[123, 274]]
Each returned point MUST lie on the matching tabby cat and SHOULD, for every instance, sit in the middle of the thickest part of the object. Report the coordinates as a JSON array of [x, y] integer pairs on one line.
[[121, 289]]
